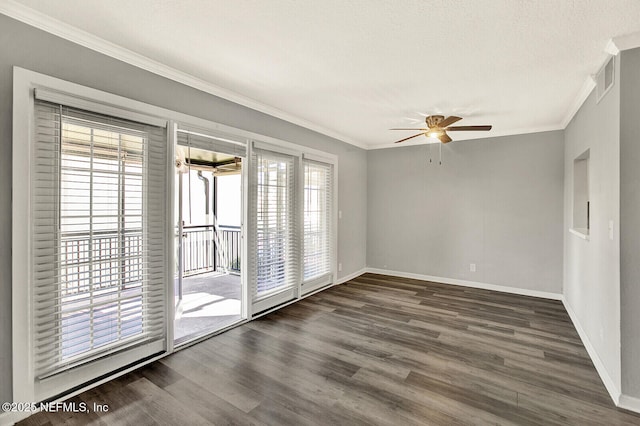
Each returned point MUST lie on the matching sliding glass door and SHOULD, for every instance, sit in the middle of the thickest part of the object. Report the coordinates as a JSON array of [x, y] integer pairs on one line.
[[208, 286], [318, 227], [274, 216], [98, 269]]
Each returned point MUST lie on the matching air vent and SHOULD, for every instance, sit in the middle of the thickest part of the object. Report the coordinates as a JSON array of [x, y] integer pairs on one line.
[[604, 78]]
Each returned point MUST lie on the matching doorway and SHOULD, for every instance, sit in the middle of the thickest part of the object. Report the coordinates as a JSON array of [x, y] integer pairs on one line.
[[208, 284]]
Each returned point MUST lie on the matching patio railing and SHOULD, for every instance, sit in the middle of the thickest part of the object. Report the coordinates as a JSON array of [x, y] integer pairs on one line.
[[117, 257], [201, 254]]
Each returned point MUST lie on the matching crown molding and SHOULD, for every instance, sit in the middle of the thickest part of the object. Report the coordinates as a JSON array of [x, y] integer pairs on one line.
[[68, 32], [623, 42], [614, 47], [586, 89]]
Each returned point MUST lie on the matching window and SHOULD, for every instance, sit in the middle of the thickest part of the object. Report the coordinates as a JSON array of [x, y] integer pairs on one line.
[[318, 197], [97, 236]]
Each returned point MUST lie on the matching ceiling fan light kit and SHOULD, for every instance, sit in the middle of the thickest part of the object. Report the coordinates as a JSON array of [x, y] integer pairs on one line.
[[438, 126]]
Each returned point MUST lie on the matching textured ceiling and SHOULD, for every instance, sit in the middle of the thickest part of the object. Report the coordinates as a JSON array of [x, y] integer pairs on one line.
[[359, 67]]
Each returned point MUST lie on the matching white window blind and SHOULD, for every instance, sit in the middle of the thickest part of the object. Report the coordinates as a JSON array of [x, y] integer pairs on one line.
[[212, 143], [274, 252], [98, 237], [318, 212]]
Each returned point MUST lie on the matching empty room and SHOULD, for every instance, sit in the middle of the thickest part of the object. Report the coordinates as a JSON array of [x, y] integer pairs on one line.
[[353, 212]]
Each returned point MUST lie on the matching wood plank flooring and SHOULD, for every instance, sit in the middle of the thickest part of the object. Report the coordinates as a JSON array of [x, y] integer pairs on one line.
[[375, 351]]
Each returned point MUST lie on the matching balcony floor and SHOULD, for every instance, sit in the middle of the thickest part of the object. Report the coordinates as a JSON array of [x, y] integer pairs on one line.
[[210, 302]]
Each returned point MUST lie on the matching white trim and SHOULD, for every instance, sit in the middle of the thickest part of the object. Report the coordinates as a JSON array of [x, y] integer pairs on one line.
[[21, 346], [465, 283], [68, 32], [291, 302], [625, 42], [48, 95], [279, 148], [351, 276], [581, 97], [609, 384], [629, 403], [275, 299], [612, 48], [316, 283], [245, 232], [208, 134], [172, 132], [320, 157], [335, 224], [580, 233]]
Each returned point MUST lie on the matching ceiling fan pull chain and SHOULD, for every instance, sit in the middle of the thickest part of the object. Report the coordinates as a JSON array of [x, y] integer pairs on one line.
[[430, 156], [440, 146]]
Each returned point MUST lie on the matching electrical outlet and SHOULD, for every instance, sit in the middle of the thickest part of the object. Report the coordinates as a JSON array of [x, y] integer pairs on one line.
[[472, 267], [339, 267]]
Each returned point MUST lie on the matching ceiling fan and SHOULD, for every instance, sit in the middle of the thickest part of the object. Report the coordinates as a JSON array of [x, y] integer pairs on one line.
[[438, 126]]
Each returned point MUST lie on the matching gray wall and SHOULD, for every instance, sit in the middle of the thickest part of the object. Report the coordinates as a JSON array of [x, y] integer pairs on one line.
[[36, 50], [630, 220], [592, 268], [494, 202]]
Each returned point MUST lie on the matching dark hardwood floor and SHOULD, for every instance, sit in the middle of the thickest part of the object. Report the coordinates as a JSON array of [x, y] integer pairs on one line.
[[375, 351]]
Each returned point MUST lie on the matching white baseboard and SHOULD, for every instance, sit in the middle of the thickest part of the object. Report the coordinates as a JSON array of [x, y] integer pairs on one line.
[[612, 388], [629, 403], [474, 284], [351, 276]]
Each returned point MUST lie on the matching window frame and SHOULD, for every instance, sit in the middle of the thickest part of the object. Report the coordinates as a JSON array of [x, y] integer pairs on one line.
[[26, 84]]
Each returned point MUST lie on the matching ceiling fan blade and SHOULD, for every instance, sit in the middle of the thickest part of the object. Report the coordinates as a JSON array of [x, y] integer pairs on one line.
[[449, 120], [469, 128], [406, 128], [444, 138], [410, 137]]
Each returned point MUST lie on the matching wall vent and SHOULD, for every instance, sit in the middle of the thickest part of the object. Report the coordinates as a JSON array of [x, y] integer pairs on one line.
[[604, 78]]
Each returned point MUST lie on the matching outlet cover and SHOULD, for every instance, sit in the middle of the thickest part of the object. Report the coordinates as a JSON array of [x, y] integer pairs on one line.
[[472, 267]]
